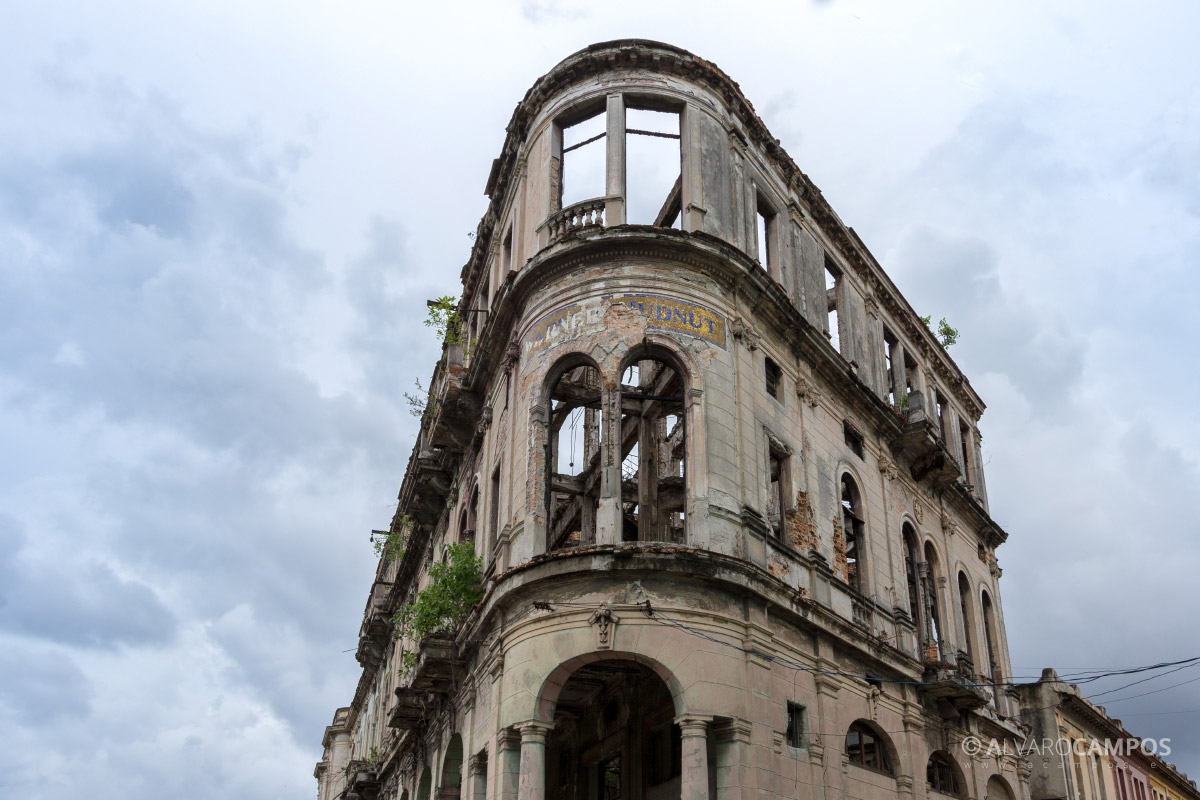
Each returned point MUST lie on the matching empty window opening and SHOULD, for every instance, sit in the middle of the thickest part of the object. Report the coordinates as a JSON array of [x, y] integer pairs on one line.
[[889, 355], [832, 280], [964, 440], [494, 512], [794, 736], [573, 458], [764, 218], [930, 582], [653, 173], [968, 613], [941, 775], [852, 530], [506, 253], [989, 635], [653, 453], [912, 572], [584, 155], [774, 378], [466, 519], [865, 748], [854, 439], [943, 413], [779, 467]]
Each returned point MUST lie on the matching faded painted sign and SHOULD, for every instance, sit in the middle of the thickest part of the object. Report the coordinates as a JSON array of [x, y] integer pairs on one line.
[[570, 322]]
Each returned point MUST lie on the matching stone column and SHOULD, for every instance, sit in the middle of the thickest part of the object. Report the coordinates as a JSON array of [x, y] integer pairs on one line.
[[477, 769], [694, 728], [508, 765], [614, 182], [532, 785]]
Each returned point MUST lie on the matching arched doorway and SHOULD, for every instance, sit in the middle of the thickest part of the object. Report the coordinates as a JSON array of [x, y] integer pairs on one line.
[[614, 736]]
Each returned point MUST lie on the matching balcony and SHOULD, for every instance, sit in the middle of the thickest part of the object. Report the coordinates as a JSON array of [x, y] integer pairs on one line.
[[586, 215], [376, 630], [453, 411], [362, 783], [409, 709], [920, 443], [437, 658], [955, 684]]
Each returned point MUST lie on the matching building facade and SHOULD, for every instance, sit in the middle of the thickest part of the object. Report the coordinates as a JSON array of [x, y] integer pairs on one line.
[[724, 484], [1076, 751]]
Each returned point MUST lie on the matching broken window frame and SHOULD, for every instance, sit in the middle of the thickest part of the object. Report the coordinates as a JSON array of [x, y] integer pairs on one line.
[[773, 375], [934, 629], [794, 734], [968, 614], [578, 115], [648, 483], [853, 439], [858, 737], [779, 486], [941, 775], [560, 501], [854, 532]]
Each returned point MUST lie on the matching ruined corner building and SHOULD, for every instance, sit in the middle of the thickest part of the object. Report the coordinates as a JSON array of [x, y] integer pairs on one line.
[[724, 484]]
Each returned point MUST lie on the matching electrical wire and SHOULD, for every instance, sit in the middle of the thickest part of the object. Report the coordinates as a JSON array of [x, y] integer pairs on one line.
[[1089, 676]]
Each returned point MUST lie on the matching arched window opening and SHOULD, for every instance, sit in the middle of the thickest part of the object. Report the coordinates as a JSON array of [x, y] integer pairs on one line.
[[865, 748], [573, 458], [471, 518], [993, 675], [912, 561], [452, 763], [942, 776], [653, 439], [852, 530], [968, 614], [930, 580]]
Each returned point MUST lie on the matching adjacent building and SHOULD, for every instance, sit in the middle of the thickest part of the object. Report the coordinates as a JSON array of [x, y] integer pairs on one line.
[[724, 485]]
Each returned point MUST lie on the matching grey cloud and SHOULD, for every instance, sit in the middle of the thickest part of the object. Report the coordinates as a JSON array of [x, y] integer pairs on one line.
[[958, 278], [39, 686]]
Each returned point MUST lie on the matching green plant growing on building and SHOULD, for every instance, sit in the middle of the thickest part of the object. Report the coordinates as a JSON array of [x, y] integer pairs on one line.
[[453, 590], [946, 334], [393, 546], [443, 318]]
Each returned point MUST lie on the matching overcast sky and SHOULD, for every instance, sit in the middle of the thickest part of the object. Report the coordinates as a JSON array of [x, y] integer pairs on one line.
[[219, 222]]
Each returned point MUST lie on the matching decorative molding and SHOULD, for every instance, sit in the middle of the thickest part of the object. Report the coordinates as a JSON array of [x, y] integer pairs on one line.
[[749, 333], [604, 623], [807, 391]]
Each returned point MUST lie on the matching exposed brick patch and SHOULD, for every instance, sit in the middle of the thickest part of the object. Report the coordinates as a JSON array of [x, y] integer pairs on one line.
[[800, 526], [777, 566], [839, 550]]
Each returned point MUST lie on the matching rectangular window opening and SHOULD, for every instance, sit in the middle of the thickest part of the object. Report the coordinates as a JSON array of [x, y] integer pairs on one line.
[[964, 438], [774, 378], [506, 254], [890, 345], [653, 167], [493, 513], [942, 414], [779, 466], [832, 281], [854, 439], [584, 160], [764, 217], [795, 725]]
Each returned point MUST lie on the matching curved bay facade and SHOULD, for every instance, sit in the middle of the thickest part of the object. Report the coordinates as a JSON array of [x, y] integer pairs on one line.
[[724, 483]]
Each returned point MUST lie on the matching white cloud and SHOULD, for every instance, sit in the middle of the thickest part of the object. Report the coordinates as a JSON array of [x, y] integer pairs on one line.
[[218, 223]]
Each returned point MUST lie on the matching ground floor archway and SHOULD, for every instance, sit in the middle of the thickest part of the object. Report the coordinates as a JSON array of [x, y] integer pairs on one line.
[[614, 736]]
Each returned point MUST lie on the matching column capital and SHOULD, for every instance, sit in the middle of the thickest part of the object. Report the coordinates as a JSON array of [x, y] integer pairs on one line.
[[693, 724], [534, 731]]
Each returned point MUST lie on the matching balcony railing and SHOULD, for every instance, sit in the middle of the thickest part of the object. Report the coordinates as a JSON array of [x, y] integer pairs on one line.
[[574, 219]]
